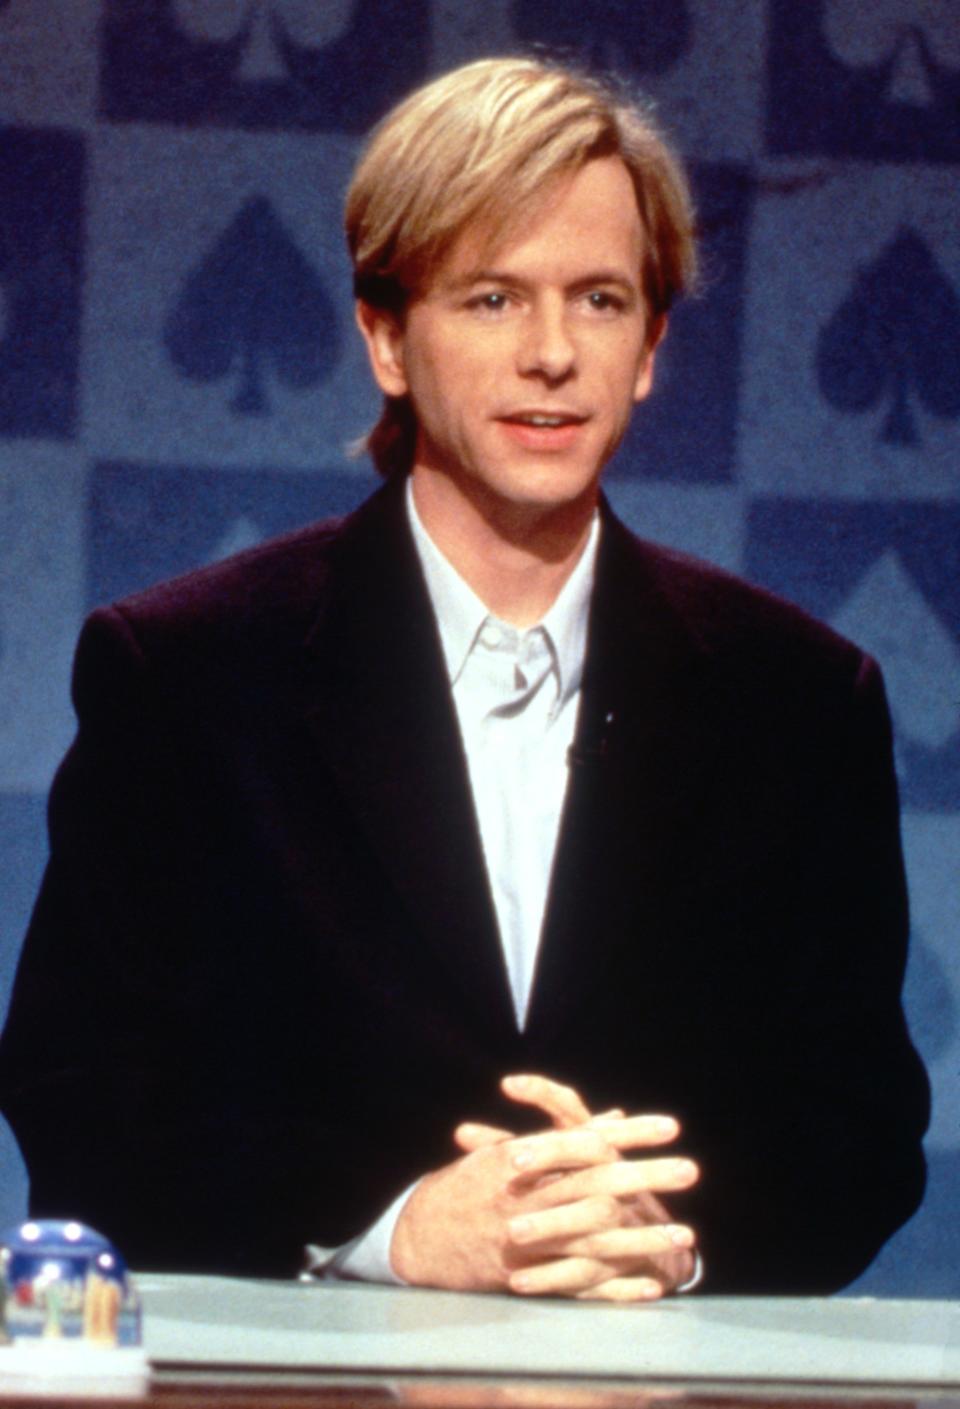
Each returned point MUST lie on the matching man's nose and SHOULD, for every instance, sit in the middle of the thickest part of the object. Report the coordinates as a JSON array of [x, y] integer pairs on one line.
[[547, 348]]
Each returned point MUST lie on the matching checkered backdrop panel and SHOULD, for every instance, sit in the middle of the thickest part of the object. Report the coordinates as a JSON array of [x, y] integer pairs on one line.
[[179, 377]]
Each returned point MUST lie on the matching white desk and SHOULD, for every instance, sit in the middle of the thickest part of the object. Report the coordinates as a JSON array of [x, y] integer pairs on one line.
[[206, 1321]]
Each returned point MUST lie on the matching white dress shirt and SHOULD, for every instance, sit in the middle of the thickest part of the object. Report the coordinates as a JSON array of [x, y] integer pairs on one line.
[[516, 692]]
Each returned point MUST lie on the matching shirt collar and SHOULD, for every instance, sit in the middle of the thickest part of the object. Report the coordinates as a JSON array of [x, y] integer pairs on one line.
[[460, 613]]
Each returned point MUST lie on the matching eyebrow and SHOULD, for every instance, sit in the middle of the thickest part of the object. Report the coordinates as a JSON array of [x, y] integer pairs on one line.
[[504, 276]]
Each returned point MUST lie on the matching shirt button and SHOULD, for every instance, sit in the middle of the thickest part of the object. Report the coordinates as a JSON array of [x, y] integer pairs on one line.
[[491, 635]]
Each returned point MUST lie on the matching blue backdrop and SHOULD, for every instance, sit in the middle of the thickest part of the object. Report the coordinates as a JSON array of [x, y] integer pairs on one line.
[[179, 376]]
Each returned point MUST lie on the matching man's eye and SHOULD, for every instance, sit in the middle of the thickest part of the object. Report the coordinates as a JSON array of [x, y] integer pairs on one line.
[[603, 301], [489, 302]]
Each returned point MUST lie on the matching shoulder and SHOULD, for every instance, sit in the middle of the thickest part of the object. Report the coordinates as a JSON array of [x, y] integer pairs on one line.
[[746, 632], [285, 572], [264, 600]]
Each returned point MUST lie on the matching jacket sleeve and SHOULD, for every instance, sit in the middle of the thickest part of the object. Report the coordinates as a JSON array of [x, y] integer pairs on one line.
[[128, 1065], [840, 1105]]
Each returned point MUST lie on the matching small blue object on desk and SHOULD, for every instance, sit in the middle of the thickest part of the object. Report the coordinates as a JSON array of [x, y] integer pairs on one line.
[[68, 1306]]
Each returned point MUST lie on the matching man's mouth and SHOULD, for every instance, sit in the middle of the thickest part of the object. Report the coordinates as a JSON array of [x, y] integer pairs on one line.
[[543, 432], [544, 420]]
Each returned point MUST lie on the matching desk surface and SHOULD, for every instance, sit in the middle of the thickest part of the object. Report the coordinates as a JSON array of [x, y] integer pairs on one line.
[[383, 1330], [219, 1341]]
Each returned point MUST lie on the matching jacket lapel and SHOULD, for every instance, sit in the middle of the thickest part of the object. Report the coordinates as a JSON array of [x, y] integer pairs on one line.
[[640, 764], [383, 719]]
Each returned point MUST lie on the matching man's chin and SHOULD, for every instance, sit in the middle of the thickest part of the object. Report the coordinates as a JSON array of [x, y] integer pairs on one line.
[[544, 486], [554, 509], [555, 499], [527, 494]]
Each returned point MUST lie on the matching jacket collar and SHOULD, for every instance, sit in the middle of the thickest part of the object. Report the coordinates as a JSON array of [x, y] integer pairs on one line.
[[461, 614]]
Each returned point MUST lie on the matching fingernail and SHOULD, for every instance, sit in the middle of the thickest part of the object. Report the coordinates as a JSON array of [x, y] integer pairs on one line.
[[519, 1083], [520, 1282], [667, 1127], [519, 1228], [684, 1169], [681, 1237]]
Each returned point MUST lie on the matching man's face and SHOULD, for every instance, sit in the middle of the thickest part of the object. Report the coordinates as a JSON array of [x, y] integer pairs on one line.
[[523, 363]]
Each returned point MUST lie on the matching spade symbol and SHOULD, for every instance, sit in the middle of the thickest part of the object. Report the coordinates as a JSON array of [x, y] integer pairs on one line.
[[253, 300], [910, 71], [897, 332], [261, 63], [649, 37], [241, 533]]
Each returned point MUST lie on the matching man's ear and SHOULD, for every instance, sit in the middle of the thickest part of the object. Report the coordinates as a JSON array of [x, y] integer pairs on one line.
[[656, 334], [383, 336]]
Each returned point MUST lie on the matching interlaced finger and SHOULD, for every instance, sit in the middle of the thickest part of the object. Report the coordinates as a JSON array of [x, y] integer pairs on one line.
[[473, 1135], [635, 1132], [562, 1104], [564, 1277], [534, 1155], [623, 1289], [622, 1179], [560, 1224], [630, 1245]]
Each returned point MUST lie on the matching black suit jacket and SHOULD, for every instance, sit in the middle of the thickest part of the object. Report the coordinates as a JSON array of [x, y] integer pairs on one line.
[[263, 981]]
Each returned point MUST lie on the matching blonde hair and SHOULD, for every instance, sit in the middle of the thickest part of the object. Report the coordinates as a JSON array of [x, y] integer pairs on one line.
[[483, 144]]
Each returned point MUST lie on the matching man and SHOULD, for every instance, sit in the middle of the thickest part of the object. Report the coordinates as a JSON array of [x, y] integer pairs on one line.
[[475, 787]]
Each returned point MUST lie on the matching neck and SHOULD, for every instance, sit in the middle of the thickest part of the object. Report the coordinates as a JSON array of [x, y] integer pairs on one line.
[[516, 557]]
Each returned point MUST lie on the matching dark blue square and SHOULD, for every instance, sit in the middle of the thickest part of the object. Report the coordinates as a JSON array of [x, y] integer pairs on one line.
[[645, 36], [686, 431], [148, 523], [157, 66], [818, 104], [41, 243], [819, 553]]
